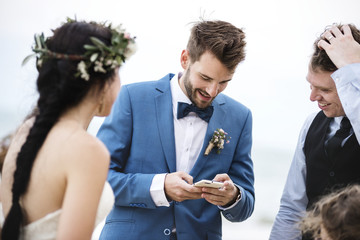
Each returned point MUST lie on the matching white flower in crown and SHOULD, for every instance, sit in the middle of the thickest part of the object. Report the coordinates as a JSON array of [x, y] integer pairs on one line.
[[99, 67], [130, 50], [82, 69], [218, 140], [98, 56]]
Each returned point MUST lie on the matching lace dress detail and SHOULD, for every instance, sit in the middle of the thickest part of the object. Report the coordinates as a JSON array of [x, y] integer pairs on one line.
[[43, 229], [46, 227]]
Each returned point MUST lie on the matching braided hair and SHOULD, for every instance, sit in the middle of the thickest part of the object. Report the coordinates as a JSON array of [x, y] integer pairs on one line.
[[59, 89]]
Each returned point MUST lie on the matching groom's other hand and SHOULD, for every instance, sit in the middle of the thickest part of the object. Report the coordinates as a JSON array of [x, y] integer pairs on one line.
[[178, 187], [224, 196]]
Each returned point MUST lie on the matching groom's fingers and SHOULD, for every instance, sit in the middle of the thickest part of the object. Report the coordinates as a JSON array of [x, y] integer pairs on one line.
[[183, 175], [216, 199], [220, 196], [178, 187], [222, 177]]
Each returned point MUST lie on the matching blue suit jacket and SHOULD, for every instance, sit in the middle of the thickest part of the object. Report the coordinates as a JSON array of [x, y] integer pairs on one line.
[[139, 134]]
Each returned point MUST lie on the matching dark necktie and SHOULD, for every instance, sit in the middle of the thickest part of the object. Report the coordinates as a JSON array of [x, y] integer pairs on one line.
[[334, 143], [203, 113]]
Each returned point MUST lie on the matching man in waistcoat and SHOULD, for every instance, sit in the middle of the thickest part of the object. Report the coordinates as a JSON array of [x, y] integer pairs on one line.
[[327, 155]]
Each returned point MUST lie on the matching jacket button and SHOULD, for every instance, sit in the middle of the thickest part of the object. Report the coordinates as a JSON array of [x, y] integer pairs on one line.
[[167, 231], [332, 174]]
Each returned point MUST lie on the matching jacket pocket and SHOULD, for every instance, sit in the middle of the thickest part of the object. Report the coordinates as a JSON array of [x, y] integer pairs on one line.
[[118, 229]]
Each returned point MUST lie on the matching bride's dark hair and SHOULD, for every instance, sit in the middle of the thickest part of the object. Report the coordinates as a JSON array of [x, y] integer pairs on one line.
[[59, 89]]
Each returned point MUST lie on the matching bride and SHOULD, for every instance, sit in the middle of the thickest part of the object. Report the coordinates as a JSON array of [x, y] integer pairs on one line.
[[54, 173]]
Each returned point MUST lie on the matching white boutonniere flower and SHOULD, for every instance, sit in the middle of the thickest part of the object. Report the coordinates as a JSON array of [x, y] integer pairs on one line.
[[218, 140]]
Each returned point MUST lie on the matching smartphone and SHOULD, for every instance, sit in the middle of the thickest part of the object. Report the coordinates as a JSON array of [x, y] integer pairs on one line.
[[208, 183]]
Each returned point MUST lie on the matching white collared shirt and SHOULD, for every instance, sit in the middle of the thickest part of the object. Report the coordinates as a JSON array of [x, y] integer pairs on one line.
[[189, 131], [189, 135]]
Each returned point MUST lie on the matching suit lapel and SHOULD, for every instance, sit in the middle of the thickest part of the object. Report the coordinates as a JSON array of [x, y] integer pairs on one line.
[[215, 122], [164, 112]]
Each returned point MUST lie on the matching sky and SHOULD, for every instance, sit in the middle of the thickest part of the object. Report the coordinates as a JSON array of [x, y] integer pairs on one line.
[[271, 81]]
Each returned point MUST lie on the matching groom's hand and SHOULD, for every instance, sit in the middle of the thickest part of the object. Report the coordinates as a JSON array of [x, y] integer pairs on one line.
[[225, 196], [178, 187]]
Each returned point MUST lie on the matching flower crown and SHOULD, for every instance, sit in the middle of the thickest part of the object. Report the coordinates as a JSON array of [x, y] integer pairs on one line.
[[98, 56]]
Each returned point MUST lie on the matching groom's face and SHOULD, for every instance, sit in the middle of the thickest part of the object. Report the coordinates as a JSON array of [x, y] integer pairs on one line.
[[204, 79]]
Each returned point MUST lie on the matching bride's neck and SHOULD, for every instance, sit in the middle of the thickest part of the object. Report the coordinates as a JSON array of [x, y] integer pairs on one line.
[[81, 114]]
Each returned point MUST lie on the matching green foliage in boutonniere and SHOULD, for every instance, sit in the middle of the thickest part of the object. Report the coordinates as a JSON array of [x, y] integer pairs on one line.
[[218, 140]]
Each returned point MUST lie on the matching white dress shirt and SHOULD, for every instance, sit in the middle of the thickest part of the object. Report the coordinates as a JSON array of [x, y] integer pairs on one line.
[[189, 135], [294, 199]]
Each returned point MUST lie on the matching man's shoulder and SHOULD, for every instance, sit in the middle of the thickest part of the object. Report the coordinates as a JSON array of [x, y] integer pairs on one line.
[[151, 84], [232, 103], [315, 115], [308, 122]]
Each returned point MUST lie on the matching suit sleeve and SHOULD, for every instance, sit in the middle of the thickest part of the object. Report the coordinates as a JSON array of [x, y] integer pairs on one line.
[[130, 189], [241, 173]]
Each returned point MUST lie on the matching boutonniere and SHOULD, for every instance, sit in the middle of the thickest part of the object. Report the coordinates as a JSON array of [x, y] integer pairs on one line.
[[218, 140]]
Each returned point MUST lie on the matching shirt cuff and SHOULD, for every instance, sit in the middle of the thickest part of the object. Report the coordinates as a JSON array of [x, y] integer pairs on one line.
[[157, 192], [347, 74], [236, 202]]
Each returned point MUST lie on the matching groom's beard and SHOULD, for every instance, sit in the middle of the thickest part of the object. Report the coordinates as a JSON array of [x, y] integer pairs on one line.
[[191, 92]]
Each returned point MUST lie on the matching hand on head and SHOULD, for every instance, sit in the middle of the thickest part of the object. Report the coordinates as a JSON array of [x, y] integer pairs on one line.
[[340, 46]]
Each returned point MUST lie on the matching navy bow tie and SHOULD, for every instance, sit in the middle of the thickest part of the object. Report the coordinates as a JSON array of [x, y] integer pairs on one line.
[[203, 113]]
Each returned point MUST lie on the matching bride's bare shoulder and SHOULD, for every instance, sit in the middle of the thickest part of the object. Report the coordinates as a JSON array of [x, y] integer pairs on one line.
[[83, 148]]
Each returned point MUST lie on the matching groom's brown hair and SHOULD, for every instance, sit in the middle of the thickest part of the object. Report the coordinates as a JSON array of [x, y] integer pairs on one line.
[[225, 41]]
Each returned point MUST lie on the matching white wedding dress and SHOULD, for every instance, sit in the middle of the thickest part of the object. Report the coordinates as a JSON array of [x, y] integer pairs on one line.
[[46, 227]]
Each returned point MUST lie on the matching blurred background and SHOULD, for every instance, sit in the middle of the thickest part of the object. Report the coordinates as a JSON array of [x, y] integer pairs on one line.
[[271, 81]]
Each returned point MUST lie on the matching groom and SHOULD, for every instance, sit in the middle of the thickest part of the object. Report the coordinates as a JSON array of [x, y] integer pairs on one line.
[[157, 134]]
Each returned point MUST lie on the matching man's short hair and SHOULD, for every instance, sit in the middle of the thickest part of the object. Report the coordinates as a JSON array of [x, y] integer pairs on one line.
[[225, 41], [320, 60]]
